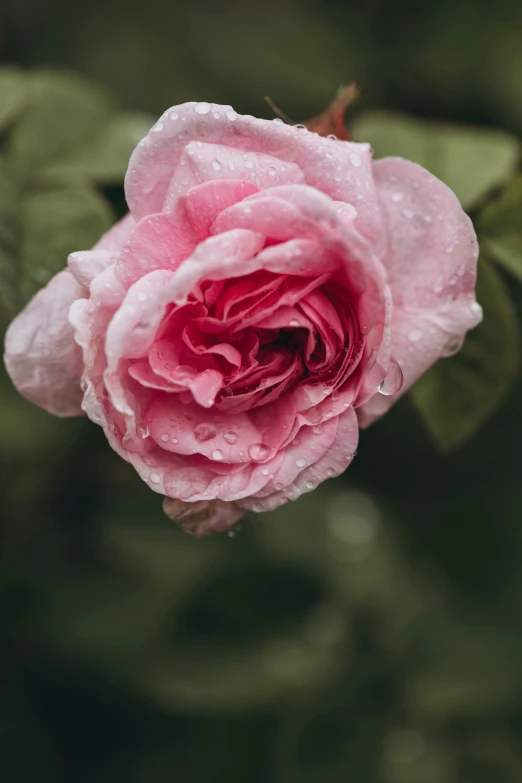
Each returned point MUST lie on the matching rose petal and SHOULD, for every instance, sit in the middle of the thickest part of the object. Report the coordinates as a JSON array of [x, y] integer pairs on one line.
[[431, 262], [202, 162], [41, 356], [343, 171]]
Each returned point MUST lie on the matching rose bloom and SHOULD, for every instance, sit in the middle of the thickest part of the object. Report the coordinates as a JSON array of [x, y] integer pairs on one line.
[[269, 292]]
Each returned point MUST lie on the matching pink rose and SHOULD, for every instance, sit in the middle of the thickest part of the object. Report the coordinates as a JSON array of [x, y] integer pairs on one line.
[[269, 292]]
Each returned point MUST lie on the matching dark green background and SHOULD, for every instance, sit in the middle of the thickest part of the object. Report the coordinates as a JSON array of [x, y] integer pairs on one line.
[[370, 632]]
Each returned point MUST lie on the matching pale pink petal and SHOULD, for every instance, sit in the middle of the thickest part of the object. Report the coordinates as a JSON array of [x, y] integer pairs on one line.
[[85, 265], [159, 241], [41, 356], [203, 203], [201, 162], [106, 290], [341, 170], [334, 461], [431, 261], [115, 237]]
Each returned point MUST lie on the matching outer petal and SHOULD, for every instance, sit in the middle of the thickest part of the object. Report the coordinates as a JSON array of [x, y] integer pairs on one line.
[[115, 237], [431, 260], [201, 163], [333, 460], [41, 356], [342, 170]]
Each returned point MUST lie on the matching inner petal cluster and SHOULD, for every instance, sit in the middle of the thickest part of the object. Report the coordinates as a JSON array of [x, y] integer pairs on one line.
[[241, 343]]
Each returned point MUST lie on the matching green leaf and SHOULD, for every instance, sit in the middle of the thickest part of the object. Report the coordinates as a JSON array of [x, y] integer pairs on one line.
[[457, 395], [63, 111], [471, 161], [470, 671], [57, 222], [9, 241], [105, 158], [500, 227], [13, 90]]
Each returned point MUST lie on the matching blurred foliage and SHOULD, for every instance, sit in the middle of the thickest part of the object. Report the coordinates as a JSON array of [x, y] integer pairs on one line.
[[369, 632]]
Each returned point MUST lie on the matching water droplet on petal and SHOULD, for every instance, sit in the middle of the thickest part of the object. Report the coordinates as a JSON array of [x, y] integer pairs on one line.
[[393, 381], [330, 472], [258, 452], [301, 462], [355, 159], [216, 165], [165, 437], [202, 108], [294, 322], [231, 115], [204, 432], [301, 128], [310, 485], [217, 455], [155, 478], [272, 171], [452, 347], [396, 197], [415, 335], [317, 430], [476, 309]]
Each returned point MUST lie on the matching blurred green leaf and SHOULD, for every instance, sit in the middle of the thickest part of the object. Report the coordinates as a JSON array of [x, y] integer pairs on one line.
[[471, 161], [457, 395], [9, 242], [500, 227], [13, 89], [63, 111], [103, 159], [56, 222], [470, 671]]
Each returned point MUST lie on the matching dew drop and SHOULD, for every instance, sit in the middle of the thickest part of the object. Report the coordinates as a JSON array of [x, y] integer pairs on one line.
[[294, 322], [396, 197], [330, 472], [272, 171], [452, 347], [355, 160], [142, 296], [155, 478], [415, 335], [231, 115], [317, 430], [204, 432], [165, 437], [174, 440], [258, 452], [310, 485], [301, 128], [217, 455], [216, 165], [393, 381], [230, 438], [202, 108], [476, 309], [301, 462]]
